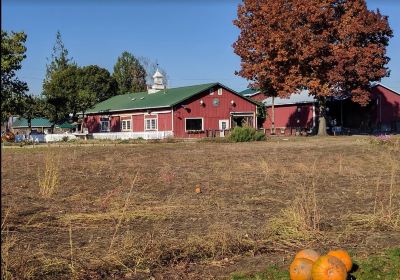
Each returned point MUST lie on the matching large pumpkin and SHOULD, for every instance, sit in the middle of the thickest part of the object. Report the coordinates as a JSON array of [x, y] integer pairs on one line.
[[344, 257], [300, 269], [308, 254], [328, 268]]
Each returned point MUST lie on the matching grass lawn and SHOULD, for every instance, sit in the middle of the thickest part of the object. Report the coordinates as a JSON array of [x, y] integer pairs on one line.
[[132, 211]]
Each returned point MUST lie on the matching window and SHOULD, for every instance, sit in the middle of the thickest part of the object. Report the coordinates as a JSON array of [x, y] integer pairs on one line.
[[211, 91], [105, 124], [194, 124], [220, 91], [126, 125], [151, 124]]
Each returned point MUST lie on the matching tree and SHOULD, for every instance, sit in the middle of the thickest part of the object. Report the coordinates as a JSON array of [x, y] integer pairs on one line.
[[99, 81], [129, 74], [60, 75], [32, 106], [150, 68], [329, 47], [12, 89], [59, 57]]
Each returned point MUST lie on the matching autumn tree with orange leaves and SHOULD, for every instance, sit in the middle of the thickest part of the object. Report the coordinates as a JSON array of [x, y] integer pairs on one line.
[[328, 47]]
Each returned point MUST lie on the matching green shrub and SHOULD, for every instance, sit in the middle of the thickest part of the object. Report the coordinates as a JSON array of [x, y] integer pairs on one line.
[[246, 134]]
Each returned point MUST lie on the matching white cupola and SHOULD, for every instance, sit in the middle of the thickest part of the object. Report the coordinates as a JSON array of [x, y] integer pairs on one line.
[[158, 82]]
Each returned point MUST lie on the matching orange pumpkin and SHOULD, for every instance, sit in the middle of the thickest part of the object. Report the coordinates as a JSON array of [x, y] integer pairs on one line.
[[308, 254], [328, 268], [344, 257], [300, 269], [197, 189]]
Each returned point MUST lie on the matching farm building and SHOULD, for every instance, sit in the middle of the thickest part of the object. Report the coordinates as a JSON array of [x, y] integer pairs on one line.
[[299, 112], [39, 125], [187, 112]]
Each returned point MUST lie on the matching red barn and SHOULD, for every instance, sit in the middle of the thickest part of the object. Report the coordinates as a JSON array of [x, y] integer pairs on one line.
[[300, 112], [187, 112], [294, 114], [382, 114]]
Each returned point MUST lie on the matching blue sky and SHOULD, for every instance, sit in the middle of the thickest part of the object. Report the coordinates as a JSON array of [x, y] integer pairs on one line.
[[191, 40]]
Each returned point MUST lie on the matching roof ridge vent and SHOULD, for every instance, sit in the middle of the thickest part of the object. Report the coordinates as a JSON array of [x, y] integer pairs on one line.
[[141, 98], [133, 98]]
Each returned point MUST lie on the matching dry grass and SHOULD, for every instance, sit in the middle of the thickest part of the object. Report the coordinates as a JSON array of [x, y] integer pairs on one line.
[[385, 214], [48, 178], [259, 203]]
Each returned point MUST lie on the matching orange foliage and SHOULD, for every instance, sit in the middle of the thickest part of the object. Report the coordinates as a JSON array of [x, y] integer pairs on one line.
[[331, 47]]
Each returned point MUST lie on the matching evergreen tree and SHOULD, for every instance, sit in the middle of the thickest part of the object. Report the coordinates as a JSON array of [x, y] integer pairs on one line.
[[129, 74]]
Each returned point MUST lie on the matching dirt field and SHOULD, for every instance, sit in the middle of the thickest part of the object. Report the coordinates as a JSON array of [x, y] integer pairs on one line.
[[259, 203]]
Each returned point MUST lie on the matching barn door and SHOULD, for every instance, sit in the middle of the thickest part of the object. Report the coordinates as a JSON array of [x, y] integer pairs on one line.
[[223, 125]]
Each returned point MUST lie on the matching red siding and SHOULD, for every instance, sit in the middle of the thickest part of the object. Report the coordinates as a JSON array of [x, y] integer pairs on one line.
[[92, 123], [388, 105], [289, 116], [115, 125], [165, 122], [138, 123], [211, 114]]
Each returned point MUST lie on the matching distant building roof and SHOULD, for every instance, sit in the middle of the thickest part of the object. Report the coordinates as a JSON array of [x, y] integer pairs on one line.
[[295, 98], [249, 92], [36, 122], [39, 122]]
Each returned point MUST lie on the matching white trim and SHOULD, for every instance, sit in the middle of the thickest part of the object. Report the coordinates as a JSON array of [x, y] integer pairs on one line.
[[219, 91], [242, 114], [142, 113], [122, 110], [156, 129], [211, 91], [293, 103], [172, 119], [101, 125], [126, 121], [314, 116], [202, 123]]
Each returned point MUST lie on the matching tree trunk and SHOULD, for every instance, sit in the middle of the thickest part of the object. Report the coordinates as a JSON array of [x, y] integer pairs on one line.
[[322, 117], [30, 125], [273, 116]]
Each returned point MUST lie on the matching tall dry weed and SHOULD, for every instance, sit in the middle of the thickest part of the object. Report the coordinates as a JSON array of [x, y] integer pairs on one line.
[[49, 177]]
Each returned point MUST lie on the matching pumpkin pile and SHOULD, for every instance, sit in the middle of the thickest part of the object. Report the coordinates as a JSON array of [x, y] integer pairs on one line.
[[309, 265]]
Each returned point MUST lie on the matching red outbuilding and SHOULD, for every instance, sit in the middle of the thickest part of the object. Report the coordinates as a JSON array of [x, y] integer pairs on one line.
[[299, 112], [187, 112]]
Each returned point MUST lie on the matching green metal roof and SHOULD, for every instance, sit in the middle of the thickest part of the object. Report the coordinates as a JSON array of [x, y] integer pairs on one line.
[[248, 91], [160, 99], [39, 122], [66, 125], [36, 122]]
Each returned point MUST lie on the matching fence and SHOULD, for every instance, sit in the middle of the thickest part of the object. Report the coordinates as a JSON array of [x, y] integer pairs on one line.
[[131, 135]]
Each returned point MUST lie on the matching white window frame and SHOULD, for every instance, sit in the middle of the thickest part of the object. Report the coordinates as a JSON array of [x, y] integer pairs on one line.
[[202, 124], [151, 128], [211, 91], [220, 91], [105, 120], [126, 121]]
